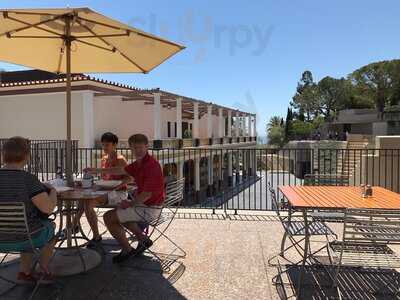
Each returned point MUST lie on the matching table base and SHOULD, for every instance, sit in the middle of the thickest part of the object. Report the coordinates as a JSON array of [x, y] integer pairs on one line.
[[68, 262]]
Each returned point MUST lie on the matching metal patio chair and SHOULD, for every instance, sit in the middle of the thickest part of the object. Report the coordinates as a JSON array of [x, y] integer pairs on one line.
[[326, 180], [294, 229], [159, 225], [367, 234], [13, 221]]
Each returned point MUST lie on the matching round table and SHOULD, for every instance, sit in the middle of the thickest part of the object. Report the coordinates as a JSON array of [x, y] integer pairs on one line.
[[74, 259]]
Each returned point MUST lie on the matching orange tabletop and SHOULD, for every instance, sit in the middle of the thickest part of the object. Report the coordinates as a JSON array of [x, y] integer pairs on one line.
[[339, 197]]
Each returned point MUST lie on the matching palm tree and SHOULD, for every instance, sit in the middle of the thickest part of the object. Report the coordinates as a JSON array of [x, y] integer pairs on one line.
[[275, 121]]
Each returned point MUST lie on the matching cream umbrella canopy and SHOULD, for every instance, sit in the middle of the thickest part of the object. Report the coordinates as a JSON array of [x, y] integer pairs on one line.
[[78, 40]]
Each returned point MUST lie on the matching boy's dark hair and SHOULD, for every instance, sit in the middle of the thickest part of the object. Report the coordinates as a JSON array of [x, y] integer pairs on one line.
[[16, 149], [138, 139], [109, 137]]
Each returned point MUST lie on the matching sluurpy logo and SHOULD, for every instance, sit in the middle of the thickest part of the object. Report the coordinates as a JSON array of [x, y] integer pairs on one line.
[[202, 32]]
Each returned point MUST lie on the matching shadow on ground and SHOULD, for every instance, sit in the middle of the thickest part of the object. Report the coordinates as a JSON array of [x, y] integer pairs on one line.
[[353, 283], [138, 278]]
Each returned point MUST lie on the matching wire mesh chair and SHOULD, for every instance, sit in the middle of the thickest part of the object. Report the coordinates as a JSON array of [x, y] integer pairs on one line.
[[327, 180], [14, 222], [366, 236], [295, 229], [160, 224]]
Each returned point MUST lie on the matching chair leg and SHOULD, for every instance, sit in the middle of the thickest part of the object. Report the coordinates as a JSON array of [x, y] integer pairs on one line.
[[162, 234]]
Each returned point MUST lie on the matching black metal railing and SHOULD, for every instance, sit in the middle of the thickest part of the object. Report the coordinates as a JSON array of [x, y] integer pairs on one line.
[[236, 178]]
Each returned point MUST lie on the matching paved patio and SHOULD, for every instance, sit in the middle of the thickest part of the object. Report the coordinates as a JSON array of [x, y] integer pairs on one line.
[[227, 259]]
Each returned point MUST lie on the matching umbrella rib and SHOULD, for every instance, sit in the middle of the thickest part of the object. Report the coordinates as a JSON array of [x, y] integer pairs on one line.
[[101, 35], [29, 25], [93, 45], [31, 13], [136, 32], [111, 45]]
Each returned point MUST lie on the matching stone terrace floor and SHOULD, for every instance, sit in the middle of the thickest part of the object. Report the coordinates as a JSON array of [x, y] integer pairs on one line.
[[226, 259]]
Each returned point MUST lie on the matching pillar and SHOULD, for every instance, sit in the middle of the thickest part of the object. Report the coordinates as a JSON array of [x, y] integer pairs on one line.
[[179, 118], [255, 126], [237, 121], [195, 120], [221, 123], [209, 121], [210, 174], [179, 169], [230, 163], [244, 163], [243, 124], [229, 123], [220, 169], [157, 116], [237, 166], [197, 178]]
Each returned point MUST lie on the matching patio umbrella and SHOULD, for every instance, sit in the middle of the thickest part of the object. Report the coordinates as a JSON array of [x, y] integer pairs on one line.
[[77, 40]]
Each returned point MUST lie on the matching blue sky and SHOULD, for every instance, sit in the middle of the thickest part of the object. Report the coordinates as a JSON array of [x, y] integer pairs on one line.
[[250, 54]]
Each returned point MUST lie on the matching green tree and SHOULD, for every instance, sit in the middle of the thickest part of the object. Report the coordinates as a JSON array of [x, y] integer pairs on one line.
[[289, 119], [306, 97], [276, 136], [375, 82], [334, 94], [301, 130], [275, 121]]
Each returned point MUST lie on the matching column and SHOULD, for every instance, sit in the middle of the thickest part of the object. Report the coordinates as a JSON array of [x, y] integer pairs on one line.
[[210, 175], [248, 127], [243, 123], [220, 169], [251, 162], [196, 120], [237, 166], [197, 178], [244, 164], [230, 163], [209, 121], [179, 169], [237, 121], [157, 116], [229, 123], [255, 126], [220, 123], [179, 118]]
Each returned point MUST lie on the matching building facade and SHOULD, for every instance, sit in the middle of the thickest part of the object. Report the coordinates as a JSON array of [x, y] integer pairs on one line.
[[32, 104]]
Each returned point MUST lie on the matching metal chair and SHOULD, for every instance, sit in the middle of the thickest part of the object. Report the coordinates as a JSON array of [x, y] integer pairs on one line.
[[14, 222], [326, 180], [366, 236], [295, 228], [160, 224]]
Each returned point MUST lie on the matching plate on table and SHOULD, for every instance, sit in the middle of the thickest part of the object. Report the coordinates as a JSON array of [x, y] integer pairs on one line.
[[108, 184], [62, 189]]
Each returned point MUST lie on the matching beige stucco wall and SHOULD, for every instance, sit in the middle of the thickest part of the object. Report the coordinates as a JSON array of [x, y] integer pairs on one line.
[[381, 167], [43, 116]]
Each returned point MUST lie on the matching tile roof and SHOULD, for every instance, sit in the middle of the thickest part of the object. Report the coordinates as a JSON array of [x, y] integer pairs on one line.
[[37, 77]]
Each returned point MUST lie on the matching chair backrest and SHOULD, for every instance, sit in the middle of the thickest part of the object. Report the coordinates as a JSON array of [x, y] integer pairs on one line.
[[274, 199], [379, 226], [174, 192], [326, 179], [13, 221]]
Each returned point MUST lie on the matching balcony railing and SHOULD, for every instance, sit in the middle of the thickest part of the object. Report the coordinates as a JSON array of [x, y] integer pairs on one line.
[[185, 143], [240, 175]]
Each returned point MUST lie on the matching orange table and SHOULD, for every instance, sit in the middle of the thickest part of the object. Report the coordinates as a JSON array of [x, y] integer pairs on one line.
[[338, 197], [305, 198]]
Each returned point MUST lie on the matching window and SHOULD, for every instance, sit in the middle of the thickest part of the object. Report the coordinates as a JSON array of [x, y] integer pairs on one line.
[[169, 129]]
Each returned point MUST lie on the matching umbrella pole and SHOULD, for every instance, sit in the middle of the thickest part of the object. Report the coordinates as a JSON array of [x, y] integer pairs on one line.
[[68, 100]]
